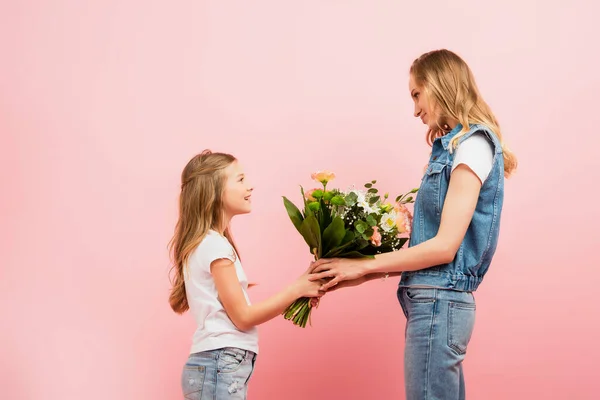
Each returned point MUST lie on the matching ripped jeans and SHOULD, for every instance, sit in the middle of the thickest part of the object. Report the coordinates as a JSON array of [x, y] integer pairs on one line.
[[217, 374]]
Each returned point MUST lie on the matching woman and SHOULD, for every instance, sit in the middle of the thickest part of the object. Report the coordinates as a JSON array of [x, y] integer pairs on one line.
[[455, 227]]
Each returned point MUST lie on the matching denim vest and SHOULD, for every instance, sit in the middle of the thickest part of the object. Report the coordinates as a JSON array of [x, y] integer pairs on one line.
[[475, 253]]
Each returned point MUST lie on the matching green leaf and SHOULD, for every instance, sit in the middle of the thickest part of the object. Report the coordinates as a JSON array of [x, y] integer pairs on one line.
[[371, 220], [408, 199], [372, 190], [368, 185], [354, 254], [398, 198], [294, 213], [351, 199], [361, 226], [374, 200], [307, 211], [324, 215], [373, 182], [361, 243], [340, 249], [348, 237], [311, 232], [333, 235]]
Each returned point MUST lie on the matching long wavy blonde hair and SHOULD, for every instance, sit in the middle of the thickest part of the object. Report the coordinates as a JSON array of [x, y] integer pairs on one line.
[[451, 87], [200, 209]]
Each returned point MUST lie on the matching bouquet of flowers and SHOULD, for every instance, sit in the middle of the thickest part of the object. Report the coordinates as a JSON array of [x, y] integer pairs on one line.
[[347, 224]]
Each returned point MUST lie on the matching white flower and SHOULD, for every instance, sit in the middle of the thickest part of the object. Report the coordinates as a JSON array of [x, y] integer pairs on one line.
[[388, 221], [362, 201], [366, 206]]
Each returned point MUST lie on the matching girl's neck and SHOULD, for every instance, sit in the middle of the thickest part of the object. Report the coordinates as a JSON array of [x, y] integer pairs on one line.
[[224, 225]]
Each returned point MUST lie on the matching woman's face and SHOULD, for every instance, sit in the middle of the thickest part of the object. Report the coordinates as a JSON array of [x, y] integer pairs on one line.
[[423, 104]]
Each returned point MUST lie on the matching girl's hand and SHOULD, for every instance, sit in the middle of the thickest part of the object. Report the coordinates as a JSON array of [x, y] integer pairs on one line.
[[338, 270], [308, 286]]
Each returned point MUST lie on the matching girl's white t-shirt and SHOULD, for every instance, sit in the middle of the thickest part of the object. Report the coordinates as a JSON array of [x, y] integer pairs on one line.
[[477, 152], [214, 327]]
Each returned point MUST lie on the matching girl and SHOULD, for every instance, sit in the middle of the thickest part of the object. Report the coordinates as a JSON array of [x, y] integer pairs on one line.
[[455, 227], [210, 282]]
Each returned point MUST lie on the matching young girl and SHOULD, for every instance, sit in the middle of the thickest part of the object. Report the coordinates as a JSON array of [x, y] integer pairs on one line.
[[210, 282], [455, 227]]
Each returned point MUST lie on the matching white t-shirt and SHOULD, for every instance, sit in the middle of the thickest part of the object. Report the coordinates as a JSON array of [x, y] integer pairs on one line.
[[476, 152], [215, 329]]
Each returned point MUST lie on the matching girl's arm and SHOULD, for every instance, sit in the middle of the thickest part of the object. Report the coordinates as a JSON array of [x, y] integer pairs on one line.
[[246, 316], [459, 206]]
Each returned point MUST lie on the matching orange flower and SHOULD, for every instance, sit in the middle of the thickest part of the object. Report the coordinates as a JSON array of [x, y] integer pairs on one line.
[[323, 176], [376, 238], [404, 220]]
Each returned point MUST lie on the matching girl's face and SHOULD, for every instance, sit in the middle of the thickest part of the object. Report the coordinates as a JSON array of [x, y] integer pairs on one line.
[[237, 191], [423, 104]]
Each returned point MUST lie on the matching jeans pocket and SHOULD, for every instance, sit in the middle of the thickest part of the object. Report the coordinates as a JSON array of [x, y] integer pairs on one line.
[[192, 380], [419, 295], [461, 321], [230, 360], [400, 296], [252, 370]]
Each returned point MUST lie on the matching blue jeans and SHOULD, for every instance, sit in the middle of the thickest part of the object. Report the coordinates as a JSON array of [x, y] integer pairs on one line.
[[438, 329], [218, 374]]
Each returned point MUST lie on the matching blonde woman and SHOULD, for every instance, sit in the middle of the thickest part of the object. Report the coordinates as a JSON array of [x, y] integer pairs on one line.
[[210, 282], [455, 227]]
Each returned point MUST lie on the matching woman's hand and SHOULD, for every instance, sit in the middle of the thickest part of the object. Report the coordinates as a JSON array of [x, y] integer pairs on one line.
[[338, 270]]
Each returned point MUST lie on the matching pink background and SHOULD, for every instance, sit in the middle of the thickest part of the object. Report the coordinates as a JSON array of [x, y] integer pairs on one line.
[[102, 104]]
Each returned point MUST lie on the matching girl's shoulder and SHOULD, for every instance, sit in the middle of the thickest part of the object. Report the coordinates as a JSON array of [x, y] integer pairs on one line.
[[214, 246], [214, 240]]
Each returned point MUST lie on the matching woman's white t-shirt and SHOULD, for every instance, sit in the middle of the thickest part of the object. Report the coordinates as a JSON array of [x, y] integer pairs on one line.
[[214, 328], [477, 152]]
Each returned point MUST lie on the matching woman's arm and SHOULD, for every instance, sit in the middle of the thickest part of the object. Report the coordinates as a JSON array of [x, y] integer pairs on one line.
[[457, 212], [363, 279]]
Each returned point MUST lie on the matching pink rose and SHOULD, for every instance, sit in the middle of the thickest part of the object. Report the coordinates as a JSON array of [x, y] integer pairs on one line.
[[404, 220], [323, 176], [376, 238]]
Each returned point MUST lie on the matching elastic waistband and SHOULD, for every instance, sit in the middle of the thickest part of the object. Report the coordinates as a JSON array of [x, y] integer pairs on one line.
[[440, 280]]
